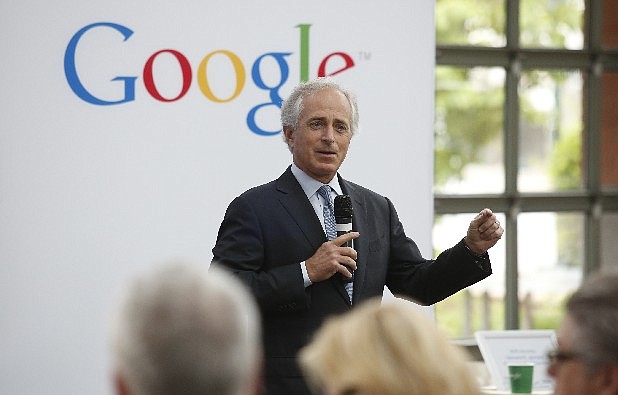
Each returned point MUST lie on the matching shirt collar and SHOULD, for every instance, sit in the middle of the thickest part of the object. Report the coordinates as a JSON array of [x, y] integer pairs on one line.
[[309, 185]]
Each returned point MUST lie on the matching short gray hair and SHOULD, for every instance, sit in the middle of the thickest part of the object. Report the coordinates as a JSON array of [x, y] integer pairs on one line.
[[594, 309], [183, 329], [293, 105]]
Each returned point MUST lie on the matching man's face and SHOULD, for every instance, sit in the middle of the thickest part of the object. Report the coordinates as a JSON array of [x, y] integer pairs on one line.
[[321, 140], [571, 374]]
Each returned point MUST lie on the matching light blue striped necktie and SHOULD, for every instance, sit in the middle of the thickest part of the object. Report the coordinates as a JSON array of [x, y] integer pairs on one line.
[[331, 226]]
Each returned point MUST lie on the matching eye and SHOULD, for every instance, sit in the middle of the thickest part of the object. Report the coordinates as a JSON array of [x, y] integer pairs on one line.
[[341, 127], [315, 124]]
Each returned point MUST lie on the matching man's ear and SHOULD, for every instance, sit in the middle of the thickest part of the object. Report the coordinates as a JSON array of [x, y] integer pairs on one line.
[[289, 136]]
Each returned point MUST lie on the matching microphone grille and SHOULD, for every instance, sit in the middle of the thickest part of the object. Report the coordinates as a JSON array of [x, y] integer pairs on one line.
[[343, 206]]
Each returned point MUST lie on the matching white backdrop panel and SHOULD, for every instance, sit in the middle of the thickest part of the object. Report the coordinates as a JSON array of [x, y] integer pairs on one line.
[[90, 193]]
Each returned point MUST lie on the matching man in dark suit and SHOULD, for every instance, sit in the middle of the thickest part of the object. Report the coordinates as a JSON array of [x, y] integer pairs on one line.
[[273, 237]]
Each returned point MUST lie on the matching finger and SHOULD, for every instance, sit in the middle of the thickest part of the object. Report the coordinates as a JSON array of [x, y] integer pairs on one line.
[[349, 252], [488, 228], [344, 238], [498, 233], [349, 263], [489, 224], [493, 234], [481, 217], [345, 271]]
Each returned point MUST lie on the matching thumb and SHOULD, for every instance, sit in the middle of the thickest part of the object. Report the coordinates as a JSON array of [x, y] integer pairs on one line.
[[481, 216], [486, 212]]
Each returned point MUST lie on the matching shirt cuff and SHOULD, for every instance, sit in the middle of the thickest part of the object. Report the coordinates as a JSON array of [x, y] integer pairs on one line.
[[306, 281]]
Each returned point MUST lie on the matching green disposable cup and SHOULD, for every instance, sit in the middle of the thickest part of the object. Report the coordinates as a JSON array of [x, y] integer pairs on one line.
[[521, 378]]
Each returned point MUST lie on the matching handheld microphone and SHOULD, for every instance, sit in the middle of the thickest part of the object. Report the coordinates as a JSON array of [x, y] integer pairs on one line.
[[343, 218]]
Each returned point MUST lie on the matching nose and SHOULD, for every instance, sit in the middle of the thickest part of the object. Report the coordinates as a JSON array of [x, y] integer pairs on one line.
[[328, 134]]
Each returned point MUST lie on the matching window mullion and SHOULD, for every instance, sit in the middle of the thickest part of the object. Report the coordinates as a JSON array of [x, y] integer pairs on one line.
[[511, 154]]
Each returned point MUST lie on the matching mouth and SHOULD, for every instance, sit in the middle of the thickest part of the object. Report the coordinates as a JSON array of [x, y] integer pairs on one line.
[[327, 156], [327, 152]]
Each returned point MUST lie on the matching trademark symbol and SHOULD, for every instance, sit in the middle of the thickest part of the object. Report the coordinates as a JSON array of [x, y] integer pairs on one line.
[[364, 55]]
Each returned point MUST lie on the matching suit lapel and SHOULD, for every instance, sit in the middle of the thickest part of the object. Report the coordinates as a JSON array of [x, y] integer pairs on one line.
[[295, 202]]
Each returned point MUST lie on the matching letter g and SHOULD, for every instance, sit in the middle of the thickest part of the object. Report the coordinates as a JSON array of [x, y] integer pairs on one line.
[[71, 72]]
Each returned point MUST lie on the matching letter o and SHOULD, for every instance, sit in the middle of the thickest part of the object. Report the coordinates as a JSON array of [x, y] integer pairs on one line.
[[202, 76], [185, 67]]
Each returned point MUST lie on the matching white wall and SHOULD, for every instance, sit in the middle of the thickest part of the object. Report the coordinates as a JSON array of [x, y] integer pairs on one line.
[[89, 194]]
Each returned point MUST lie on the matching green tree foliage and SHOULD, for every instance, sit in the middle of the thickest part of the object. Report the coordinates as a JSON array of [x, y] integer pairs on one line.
[[566, 174], [470, 22], [566, 161], [469, 116], [549, 23]]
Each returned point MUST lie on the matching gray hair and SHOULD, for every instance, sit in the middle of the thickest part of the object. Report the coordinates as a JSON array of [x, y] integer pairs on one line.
[[293, 105], [186, 330], [594, 309]]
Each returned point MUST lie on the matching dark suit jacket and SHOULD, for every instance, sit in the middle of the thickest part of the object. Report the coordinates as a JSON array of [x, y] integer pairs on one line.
[[268, 230]]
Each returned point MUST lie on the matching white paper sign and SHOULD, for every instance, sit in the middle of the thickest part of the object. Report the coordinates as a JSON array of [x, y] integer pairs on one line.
[[501, 348]]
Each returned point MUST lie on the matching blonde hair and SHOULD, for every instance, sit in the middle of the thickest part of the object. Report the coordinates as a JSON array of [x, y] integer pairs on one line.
[[389, 349]]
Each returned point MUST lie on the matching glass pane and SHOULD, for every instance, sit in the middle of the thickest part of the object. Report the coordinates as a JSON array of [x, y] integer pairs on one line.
[[550, 256], [609, 246], [609, 130], [469, 128], [610, 24], [552, 23], [550, 140], [480, 306], [470, 22]]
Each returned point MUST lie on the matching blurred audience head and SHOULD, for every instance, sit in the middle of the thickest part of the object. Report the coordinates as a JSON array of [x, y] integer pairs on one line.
[[586, 360], [186, 330], [388, 349]]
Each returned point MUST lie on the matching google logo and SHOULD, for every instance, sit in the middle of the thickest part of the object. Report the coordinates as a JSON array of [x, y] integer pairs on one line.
[[202, 75]]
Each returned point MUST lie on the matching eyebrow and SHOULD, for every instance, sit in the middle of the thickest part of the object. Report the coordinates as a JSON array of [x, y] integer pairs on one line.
[[318, 118]]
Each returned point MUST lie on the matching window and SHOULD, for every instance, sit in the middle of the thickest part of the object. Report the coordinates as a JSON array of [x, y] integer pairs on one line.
[[526, 123]]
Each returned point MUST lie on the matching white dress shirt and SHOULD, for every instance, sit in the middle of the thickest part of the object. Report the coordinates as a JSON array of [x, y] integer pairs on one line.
[[310, 186]]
